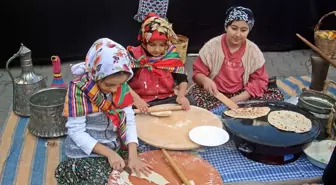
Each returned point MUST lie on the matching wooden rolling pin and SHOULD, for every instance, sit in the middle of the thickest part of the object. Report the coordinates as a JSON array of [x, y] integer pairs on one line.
[[176, 168], [161, 109], [221, 97], [228, 102], [317, 50]]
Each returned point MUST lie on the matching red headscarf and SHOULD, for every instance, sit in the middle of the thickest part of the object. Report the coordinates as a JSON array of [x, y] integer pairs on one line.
[[156, 28]]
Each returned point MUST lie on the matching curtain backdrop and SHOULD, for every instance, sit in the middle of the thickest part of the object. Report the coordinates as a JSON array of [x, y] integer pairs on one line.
[[68, 28]]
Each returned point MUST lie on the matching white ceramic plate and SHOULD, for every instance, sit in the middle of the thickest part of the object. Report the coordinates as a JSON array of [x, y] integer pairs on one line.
[[208, 135], [319, 153]]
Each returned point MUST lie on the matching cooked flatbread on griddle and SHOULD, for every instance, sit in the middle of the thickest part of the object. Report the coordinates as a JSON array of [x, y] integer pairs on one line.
[[248, 112], [290, 121]]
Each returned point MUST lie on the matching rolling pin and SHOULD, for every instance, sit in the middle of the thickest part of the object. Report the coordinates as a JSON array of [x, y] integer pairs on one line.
[[221, 97], [317, 50], [161, 109], [228, 102], [176, 168]]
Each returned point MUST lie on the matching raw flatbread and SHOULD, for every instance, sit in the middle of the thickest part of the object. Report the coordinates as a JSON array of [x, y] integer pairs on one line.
[[248, 112], [162, 113], [123, 178], [115, 178], [153, 177], [290, 121]]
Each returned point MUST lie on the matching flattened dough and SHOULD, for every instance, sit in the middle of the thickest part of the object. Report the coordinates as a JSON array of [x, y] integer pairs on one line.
[[290, 121], [117, 178], [248, 112], [153, 177]]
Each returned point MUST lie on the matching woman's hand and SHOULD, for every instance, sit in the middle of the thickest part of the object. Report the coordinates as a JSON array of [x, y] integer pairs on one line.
[[138, 167], [116, 162], [210, 86], [184, 102], [140, 104]]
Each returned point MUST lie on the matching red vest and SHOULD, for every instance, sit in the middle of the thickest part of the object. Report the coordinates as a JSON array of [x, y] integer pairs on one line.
[[151, 85]]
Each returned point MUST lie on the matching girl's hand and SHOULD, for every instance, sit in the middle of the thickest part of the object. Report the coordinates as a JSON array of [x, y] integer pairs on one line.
[[184, 102], [140, 104], [210, 86], [116, 162], [137, 166]]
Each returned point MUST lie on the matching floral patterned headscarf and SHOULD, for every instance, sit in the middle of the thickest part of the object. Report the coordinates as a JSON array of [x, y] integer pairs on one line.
[[156, 28], [107, 57], [104, 58], [239, 14]]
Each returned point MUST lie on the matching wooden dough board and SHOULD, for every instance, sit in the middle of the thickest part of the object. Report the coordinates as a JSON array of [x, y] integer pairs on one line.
[[194, 168], [172, 132]]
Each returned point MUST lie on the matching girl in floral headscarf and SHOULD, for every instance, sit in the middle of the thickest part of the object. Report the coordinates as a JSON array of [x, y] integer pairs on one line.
[[232, 64], [101, 121], [158, 68]]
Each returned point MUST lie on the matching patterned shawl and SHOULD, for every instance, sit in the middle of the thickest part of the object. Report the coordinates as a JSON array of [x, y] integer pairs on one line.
[[171, 61]]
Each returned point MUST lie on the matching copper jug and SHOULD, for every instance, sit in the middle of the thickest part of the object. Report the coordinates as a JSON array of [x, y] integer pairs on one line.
[[26, 84]]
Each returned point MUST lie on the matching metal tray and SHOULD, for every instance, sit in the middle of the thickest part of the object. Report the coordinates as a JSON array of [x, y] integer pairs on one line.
[[316, 102]]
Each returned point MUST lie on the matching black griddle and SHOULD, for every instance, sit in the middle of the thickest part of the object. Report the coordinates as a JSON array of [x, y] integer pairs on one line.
[[259, 141]]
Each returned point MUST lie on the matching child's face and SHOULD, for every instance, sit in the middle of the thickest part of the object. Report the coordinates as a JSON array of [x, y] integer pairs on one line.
[[111, 83], [157, 47]]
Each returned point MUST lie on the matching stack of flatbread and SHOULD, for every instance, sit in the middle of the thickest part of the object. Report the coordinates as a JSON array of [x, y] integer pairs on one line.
[[290, 121], [248, 112]]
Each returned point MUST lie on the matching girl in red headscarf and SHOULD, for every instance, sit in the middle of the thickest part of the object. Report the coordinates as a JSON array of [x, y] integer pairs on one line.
[[158, 68]]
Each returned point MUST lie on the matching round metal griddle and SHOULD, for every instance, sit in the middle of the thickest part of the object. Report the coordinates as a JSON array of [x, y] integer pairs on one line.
[[260, 141]]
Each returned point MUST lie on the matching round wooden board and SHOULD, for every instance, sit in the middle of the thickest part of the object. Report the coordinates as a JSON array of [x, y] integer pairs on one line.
[[173, 132], [194, 168]]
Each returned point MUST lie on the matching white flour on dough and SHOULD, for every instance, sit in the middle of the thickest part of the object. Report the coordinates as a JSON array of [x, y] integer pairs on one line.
[[153, 177]]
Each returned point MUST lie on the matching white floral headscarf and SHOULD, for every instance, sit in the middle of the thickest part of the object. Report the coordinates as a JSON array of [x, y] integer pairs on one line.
[[104, 58]]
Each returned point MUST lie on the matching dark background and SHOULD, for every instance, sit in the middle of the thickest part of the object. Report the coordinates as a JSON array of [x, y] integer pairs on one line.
[[68, 28]]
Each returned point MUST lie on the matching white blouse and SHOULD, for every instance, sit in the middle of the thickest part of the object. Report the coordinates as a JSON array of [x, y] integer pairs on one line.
[[77, 131]]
